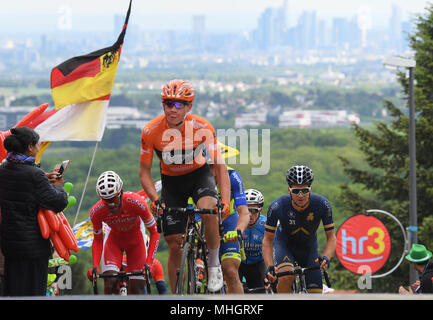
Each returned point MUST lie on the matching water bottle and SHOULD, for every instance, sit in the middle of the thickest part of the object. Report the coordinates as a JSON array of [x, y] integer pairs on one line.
[[199, 271]]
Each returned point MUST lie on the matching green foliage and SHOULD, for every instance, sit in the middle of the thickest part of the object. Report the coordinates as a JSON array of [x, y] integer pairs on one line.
[[385, 150]]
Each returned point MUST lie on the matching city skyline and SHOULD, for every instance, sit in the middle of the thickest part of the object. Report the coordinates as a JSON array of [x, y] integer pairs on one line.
[[223, 15]]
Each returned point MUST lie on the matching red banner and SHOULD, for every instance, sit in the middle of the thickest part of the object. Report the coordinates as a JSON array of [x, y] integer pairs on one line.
[[363, 241]]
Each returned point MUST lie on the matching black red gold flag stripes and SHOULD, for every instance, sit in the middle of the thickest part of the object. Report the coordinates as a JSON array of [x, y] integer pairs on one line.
[[87, 77], [81, 88]]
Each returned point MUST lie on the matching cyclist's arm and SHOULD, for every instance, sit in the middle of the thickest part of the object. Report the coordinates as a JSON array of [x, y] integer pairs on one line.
[[240, 201], [150, 224], [331, 244], [153, 243], [244, 218], [223, 181], [268, 248], [328, 225], [97, 244], [147, 181]]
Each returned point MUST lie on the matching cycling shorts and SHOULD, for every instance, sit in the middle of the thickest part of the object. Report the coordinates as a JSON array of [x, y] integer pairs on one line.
[[254, 274], [115, 243], [177, 189], [305, 256], [230, 249]]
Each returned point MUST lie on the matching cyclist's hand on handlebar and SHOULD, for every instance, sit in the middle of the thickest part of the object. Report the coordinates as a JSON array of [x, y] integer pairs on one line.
[[231, 236], [324, 263], [225, 209], [90, 273], [157, 203], [270, 274]]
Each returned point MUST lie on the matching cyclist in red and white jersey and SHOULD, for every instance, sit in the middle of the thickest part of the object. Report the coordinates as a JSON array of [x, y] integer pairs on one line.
[[122, 212]]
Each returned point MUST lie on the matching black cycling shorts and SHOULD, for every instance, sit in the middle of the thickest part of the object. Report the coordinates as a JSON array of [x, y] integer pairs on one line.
[[177, 189]]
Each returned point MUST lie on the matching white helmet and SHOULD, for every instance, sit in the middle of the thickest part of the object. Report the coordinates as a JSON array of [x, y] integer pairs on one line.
[[254, 197], [109, 185]]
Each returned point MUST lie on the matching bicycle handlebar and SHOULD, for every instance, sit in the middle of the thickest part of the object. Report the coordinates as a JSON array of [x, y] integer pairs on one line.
[[120, 274], [301, 271], [190, 210]]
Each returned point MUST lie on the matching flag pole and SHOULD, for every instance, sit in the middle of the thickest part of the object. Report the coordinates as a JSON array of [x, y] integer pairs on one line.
[[85, 184]]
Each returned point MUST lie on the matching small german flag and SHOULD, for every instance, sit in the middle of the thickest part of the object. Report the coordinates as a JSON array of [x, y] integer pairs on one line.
[[87, 77], [81, 89]]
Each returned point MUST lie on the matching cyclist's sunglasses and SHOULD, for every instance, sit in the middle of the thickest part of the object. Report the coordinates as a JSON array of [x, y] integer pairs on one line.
[[177, 104], [111, 200], [298, 190], [254, 210]]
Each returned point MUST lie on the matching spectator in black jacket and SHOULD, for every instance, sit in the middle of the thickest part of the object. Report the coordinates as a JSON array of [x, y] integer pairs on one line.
[[24, 187], [422, 261]]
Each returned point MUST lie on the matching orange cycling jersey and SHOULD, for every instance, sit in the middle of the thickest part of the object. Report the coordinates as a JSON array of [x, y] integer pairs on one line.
[[180, 151]]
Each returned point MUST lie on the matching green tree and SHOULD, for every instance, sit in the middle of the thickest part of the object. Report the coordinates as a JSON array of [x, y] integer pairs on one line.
[[386, 152]]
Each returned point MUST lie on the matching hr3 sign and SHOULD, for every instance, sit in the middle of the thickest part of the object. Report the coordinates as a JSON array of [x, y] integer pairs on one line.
[[363, 241]]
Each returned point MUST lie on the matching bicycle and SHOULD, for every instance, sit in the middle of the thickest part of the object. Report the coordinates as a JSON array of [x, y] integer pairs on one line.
[[299, 285], [193, 248], [122, 279]]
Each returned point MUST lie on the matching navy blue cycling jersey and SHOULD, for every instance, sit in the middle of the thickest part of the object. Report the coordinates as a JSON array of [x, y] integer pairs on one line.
[[299, 227], [253, 239]]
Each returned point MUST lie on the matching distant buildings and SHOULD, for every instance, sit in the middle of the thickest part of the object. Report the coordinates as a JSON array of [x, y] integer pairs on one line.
[[340, 33], [300, 119], [316, 119], [117, 117]]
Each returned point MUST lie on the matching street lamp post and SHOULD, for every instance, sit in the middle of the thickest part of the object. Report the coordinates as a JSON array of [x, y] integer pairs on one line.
[[413, 227]]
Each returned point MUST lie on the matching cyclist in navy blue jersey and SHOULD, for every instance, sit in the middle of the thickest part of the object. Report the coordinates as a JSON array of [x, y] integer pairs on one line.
[[292, 222], [253, 268]]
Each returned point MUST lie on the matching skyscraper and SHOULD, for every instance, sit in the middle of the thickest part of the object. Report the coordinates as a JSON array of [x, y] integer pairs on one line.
[[198, 32], [395, 29]]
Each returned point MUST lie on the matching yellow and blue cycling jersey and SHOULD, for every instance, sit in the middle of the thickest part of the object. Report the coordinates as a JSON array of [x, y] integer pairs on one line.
[[296, 234], [231, 249]]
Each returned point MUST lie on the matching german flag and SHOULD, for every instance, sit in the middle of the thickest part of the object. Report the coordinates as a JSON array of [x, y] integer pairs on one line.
[[81, 89]]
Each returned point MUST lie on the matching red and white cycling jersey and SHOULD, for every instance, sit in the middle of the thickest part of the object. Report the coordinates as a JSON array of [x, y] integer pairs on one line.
[[125, 234]]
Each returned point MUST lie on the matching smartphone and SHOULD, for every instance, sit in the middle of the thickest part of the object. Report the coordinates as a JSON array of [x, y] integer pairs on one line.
[[61, 167]]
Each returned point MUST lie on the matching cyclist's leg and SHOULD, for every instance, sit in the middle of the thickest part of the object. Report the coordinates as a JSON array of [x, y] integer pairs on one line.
[[313, 278], [283, 260], [174, 225], [205, 196], [231, 258], [112, 256], [136, 257]]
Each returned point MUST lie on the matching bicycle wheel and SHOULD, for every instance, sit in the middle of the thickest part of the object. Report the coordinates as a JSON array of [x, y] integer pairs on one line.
[[192, 276], [180, 286]]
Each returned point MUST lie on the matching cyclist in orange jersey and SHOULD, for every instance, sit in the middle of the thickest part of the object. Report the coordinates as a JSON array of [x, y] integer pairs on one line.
[[178, 139]]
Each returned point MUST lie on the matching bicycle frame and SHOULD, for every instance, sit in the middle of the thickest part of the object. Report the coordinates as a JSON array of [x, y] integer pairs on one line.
[[193, 247], [299, 284]]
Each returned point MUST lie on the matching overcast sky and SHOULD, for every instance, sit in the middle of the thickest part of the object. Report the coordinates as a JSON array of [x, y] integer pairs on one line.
[[18, 14]]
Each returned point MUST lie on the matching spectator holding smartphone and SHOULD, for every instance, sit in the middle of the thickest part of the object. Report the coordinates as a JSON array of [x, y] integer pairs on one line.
[[24, 188]]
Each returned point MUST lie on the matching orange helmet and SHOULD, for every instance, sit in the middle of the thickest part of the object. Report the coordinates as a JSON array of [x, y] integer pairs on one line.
[[178, 90]]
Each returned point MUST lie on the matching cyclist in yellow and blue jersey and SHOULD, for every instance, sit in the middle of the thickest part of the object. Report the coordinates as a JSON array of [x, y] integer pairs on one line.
[[238, 219], [291, 231]]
